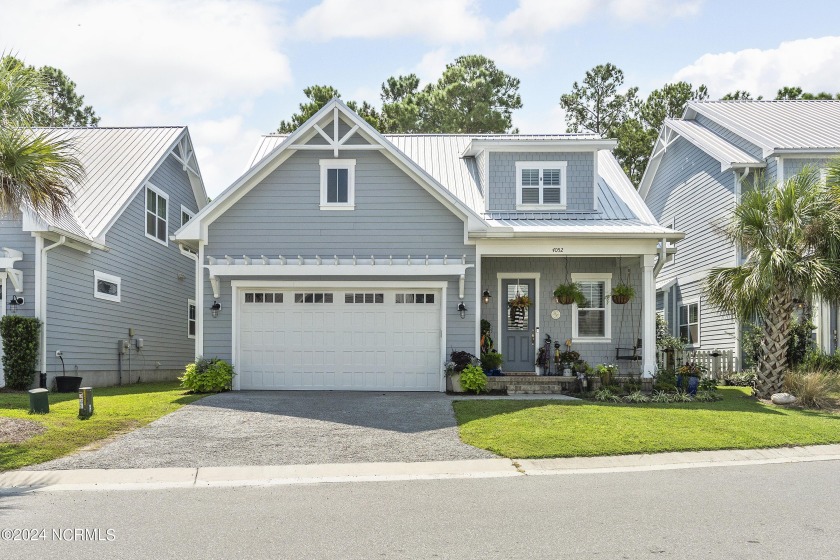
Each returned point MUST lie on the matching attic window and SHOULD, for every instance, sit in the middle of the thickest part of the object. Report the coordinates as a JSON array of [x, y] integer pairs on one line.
[[338, 178], [106, 286], [540, 185], [157, 225]]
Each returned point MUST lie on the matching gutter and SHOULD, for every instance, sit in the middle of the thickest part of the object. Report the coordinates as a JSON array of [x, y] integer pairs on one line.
[[41, 273]]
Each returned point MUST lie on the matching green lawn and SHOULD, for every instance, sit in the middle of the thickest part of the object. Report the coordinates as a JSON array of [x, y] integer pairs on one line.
[[116, 410], [532, 429]]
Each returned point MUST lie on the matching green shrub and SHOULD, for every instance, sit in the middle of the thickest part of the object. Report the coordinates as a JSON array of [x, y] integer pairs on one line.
[[813, 388], [707, 384], [707, 396], [473, 379], [817, 360], [491, 360], [461, 359], [208, 376], [665, 387], [21, 336], [605, 395], [741, 379], [660, 397], [636, 397]]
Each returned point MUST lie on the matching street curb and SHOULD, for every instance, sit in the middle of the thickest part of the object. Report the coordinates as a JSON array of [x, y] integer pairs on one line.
[[277, 475]]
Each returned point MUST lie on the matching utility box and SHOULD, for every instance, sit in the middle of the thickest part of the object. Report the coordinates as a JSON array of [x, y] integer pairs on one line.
[[85, 402], [39, 402]]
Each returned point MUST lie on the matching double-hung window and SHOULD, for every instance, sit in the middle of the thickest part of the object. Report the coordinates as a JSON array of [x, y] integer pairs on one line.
[[591, 321], [689, 322], [541, 185], [338, 184], [157, 226], [191, 318]]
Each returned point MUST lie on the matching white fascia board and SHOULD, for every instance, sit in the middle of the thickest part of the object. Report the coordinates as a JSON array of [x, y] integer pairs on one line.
[[806, 152], [566, 247], [506, 233], [653, 164], [346, 270], [744, 132], [535, 145]]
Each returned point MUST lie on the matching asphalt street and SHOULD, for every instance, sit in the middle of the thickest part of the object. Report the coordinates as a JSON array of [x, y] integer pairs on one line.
[[760, 511]]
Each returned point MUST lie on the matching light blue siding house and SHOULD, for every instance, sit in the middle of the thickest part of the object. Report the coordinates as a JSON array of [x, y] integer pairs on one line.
[[694, 180], [345, 259], [108, 271]]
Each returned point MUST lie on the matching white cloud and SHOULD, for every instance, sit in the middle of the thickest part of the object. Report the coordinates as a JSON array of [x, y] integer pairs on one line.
[[548, 121], [451, 21], [136, 60], [812, 64], [518, 56], [541, 16], [223, 148], [432, 65]]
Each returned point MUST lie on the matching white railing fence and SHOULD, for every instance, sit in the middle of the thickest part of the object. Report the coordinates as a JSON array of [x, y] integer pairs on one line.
[[717, 362]]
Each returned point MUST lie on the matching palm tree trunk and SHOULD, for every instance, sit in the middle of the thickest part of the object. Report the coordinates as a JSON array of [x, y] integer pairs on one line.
[[772, 361]]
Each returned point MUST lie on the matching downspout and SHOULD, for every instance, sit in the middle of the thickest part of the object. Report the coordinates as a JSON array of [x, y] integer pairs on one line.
[[663, 248], [42, 296]]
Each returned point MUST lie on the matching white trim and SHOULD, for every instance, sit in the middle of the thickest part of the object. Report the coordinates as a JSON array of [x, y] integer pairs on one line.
[[595, 188], [97, 276], [541, 166], [188, 212], [606, 277], [237, 286], [149, 186], [780, 170], [535, 276], [191, 303], [685, 303], [199, 297], [617, 245], [538, 145], [350, 166]]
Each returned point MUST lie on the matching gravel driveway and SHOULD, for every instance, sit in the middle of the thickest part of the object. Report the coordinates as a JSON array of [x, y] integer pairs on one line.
[[288, 428]]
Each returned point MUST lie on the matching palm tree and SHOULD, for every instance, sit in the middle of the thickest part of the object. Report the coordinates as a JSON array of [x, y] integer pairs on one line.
[[791, 233], [38, 168]]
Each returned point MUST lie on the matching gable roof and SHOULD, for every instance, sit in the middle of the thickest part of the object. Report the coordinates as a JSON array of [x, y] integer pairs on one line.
[[776, 126], [729, 155], [117, 162], [620, 208]]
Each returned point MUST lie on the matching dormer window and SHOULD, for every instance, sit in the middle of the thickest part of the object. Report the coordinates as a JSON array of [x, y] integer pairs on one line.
[[541, 185], [338, 182]]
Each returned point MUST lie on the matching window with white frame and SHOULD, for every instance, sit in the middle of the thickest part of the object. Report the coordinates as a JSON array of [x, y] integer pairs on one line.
[[106, 286], [186, 215], [591, 321], [338, 182], [689, 323], [157, 223], [541, 185], [191, 320]]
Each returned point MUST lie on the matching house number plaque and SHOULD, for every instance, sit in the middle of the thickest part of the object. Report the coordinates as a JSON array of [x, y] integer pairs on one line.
[[557, 250]]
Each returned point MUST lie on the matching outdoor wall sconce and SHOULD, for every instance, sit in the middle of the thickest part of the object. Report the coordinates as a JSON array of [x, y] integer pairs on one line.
[[14, 303], [462, 310], [215, 308], [486, 297]]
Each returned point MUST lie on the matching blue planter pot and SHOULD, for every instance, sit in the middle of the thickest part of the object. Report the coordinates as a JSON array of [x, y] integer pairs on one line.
[[693, 383], [679, 382]]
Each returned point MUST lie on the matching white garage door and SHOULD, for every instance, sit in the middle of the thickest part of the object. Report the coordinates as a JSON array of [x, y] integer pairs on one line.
[[359, 339]]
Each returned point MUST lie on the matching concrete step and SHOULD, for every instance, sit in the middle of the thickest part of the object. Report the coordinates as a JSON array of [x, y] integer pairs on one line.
[[526, 389]]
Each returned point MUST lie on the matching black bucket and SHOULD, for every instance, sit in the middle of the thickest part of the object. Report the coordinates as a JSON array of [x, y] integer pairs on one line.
[[67, 383]]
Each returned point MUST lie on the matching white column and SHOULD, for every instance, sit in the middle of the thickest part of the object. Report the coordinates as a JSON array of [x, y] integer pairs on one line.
[[648, 317]]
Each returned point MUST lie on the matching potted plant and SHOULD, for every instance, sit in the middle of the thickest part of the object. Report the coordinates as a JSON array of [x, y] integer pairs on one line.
[[566, 294], [693, 371], [458, 361], [520, 302], [622, 293], [568, 358], [492, 362], [606, 372], [473, 379]]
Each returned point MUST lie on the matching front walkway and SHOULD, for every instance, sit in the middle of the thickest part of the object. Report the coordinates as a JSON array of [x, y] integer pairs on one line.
[[288, 428]]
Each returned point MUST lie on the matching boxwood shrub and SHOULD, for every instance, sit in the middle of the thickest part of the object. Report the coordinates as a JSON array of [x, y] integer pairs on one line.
[[21, 336], [208, 376]]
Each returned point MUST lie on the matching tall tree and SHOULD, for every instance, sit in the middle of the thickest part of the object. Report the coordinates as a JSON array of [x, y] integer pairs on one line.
[[318, 96], [740, 95], [669, 102], [794, 93], [37, 169], [57, 102], [596, 104], [791, 233]]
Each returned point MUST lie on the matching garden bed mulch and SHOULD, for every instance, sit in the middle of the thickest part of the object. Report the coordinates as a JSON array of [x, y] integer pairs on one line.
[[17, 430]]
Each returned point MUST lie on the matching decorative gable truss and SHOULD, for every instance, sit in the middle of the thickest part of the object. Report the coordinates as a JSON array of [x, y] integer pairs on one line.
[[7, 264]]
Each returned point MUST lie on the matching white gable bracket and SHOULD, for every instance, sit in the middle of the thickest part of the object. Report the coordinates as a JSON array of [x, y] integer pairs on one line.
[[7, 262]]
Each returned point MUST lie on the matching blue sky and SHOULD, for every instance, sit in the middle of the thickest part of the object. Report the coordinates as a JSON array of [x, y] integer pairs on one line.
[[232, 70]]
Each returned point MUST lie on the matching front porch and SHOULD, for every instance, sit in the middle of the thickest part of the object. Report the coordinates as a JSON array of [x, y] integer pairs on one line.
[[600, 331]]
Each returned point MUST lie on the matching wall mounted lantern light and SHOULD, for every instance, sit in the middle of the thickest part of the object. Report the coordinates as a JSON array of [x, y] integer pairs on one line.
[[486, 297], [462, 310], [215, 308], [14, 303]]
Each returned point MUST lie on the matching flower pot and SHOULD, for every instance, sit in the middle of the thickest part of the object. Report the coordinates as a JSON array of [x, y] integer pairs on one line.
[[567, 370], [693, 383], [565, 300], [620, 300], [67, 383], [453, 383]]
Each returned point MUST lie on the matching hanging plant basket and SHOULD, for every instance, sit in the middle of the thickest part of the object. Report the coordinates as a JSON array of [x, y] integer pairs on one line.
[[565, 300], [620, 299], [567, 294], [520, 302], [622, 293]]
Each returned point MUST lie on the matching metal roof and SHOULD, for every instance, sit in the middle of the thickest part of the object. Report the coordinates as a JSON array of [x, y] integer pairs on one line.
[[777, 125], [116, 161], [439, 155], [727, 154]]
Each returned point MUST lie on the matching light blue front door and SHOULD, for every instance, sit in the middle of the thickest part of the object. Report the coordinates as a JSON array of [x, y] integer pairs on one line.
[[517, 327]]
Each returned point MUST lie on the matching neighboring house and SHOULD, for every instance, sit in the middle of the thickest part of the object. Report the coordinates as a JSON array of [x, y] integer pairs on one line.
[[699, 166], [109, 268], [344, 259]]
